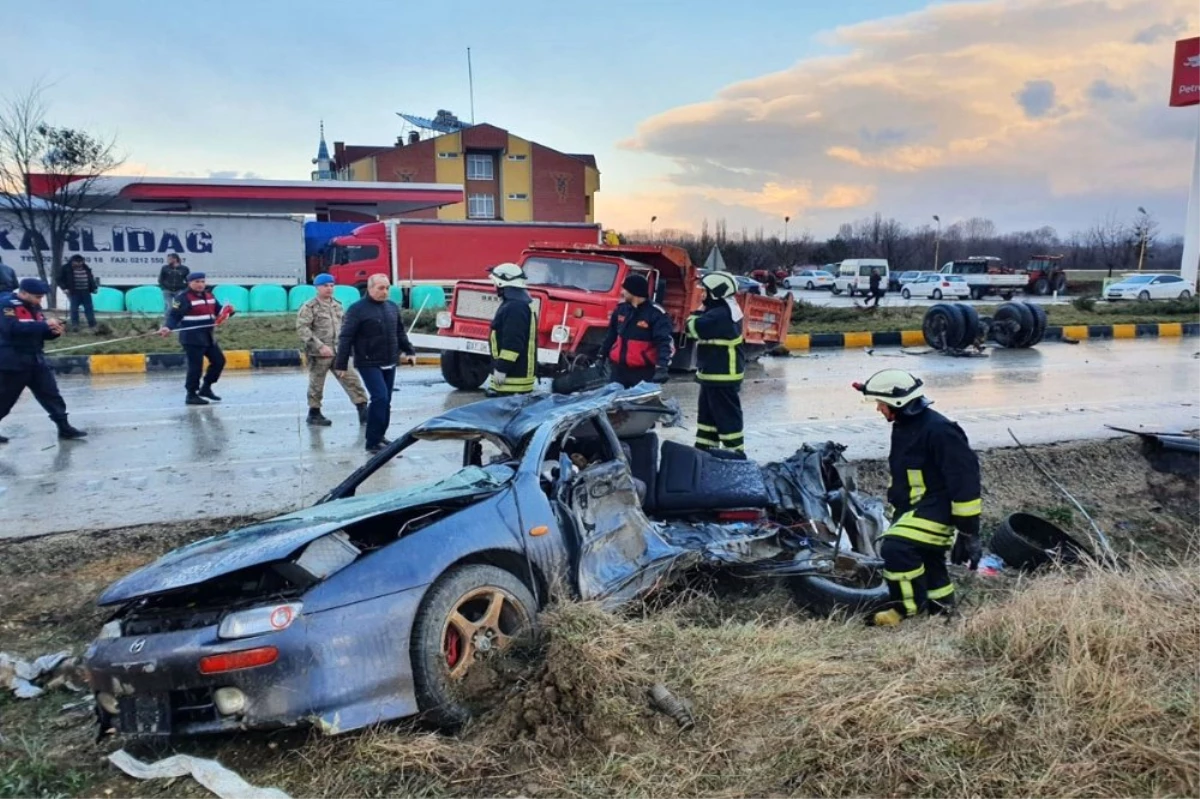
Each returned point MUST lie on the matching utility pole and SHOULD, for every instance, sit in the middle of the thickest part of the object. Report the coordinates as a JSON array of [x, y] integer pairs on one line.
[[471, 84], [652, 219], [937, 241], [1145, 229]]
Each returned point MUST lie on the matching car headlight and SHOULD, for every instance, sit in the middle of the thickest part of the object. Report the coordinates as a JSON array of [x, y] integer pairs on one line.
[[561, 334], [443, 319], [258, 621]]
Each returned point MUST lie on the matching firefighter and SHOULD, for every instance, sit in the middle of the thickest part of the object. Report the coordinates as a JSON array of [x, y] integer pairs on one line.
[[514, 334], [23, 332], [639, 343], [934, 489], [720, 365], [196, 314]]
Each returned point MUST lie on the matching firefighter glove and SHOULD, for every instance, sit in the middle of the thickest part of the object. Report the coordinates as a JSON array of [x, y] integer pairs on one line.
[[967, 547], [661, 374], [498, 378]]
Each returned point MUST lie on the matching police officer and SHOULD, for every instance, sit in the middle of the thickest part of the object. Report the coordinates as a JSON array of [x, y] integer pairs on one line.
[[23, 333], [721, 365], [195, 313], [639, 343], [935, 489], [513, 335]]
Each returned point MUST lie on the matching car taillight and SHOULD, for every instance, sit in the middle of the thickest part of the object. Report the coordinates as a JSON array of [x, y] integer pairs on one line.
[[233, 661], [739, 515]]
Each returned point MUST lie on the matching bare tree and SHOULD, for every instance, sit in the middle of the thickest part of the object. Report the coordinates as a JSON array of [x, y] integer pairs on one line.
[[71, 161], [1112, 242]]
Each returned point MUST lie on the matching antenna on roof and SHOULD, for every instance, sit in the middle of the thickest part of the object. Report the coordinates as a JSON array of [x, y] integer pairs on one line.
[[471, 83]]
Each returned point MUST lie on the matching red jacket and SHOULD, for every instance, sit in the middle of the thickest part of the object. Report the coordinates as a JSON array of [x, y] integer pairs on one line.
[[639, 338]]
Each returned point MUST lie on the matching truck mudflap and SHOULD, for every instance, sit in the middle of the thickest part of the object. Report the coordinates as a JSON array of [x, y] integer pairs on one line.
[[766, 319], [424, 341]]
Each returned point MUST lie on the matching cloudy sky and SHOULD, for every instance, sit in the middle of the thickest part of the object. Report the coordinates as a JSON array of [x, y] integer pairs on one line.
[[1029, 112]]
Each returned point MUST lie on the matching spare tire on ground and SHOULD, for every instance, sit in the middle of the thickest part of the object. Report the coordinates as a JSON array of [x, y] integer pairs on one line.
[[1040, 320], [1025, 541], [970, 325], [1013, 325], [943, 326]]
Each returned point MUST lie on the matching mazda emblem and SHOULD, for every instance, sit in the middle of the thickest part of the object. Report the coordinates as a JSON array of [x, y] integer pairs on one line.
[[137, 645]]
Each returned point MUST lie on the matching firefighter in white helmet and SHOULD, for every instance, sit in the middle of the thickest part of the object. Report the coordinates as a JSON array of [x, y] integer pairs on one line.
[[935, 488], [513, 337], [720, 365]]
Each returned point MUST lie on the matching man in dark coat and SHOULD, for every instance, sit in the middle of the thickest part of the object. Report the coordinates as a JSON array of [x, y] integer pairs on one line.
[[640, 343]]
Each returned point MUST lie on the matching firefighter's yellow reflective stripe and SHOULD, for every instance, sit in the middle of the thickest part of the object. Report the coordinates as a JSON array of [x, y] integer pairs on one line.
[[916, 486], [899, 531], [730, 436], [738, 448], [911, 519], [904, 581], [533, 322], [707, 378], [708, 428], [722, 342], [701, 441], [493, 344], [972, 508], [690, 327], [941, 593], [508, 355], [898, 576]]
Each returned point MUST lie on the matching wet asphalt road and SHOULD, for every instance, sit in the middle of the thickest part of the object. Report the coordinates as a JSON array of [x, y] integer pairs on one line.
[[150, 458]]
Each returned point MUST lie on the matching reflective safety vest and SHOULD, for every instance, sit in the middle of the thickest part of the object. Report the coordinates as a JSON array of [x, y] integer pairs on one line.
[[934, 478], [513, 342], [719, 352]]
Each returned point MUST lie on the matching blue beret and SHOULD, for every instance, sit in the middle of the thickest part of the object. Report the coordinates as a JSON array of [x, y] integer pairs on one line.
[[195, 276], [31, 285], [323, 279]]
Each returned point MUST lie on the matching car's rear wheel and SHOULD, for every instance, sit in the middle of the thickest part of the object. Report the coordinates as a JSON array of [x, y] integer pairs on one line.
[[809, 285], [464, 370], [937, 294], [471, 614], [1185, 295], [906, 294], [835, 290]]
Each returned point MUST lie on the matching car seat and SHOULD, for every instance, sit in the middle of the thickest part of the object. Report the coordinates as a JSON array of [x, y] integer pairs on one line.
[[691, 479]]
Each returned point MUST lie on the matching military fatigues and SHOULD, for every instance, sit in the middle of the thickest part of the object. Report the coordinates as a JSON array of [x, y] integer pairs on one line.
[[318, 324], [934, 482], [23, 332], [513, 341], [194, 316], [721, 366]]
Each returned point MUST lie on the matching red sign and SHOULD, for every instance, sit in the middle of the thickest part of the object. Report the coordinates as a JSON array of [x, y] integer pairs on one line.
[[1185, 85]]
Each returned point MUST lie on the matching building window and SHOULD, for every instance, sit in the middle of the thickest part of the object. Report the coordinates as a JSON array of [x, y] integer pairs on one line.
[[479, 167], [517, 156], [481, 206], [518, 196], [447, 155]]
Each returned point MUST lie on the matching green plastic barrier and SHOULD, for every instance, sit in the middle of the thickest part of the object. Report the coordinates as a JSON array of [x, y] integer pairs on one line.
[[109, 300], [346, 295], [268, 299], [144, 300], [433, 297], [396, 295], [298, 295], [236, 296]]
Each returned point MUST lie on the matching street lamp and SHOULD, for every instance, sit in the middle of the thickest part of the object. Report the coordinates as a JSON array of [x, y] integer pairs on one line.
[[1145, 229], [786, 219], [652, 220], [937, 241]]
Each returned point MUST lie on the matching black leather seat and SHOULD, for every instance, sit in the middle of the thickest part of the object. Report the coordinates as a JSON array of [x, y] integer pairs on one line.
[[692, 479], [643, 463]]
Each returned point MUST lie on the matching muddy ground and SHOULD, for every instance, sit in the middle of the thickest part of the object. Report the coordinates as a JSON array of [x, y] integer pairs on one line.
[[48, 587]]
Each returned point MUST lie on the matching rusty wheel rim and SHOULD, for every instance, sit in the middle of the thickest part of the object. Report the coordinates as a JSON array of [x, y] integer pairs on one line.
[[484, 621]]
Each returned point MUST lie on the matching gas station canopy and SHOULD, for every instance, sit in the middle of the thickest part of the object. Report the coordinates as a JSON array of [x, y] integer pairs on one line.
[[258, 196]]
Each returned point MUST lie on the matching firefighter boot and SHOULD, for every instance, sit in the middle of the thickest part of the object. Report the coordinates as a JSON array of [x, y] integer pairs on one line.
[[316, 418], [68, 433], [207, 392], [887, 618]]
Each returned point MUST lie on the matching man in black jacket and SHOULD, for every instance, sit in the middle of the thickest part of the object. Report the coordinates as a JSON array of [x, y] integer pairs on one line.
[[195, 313], [172, 279], [373, 331], [513, 338], [8, 278], [77, 280], [639, 343], [935, 488], [873, 285], [720, 365]]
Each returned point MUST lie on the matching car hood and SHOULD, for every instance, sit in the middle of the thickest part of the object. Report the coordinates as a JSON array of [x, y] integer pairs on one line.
[[277, 538]]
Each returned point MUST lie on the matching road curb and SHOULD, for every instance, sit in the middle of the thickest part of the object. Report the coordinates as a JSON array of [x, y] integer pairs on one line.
[[915, 338], [136, 363]]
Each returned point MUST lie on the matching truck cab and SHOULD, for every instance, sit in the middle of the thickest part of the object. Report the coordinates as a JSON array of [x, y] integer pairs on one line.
[[575, 289]]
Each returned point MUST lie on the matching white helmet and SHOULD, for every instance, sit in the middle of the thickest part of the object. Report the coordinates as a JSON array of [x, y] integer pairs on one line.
[[894, 387], [507, 274], [719, 285]]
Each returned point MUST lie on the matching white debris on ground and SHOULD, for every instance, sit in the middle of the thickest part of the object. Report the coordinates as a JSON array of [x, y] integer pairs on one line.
[[29, 680], [209, 773]]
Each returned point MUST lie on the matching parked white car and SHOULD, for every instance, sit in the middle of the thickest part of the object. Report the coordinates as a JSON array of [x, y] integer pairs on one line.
[[1150, 287], [809, 279], [937, 287]]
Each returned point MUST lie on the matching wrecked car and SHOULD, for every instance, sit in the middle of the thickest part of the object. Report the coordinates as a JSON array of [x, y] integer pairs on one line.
[[375, 603]]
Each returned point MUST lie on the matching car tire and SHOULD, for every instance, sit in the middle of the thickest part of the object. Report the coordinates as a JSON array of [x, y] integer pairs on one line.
[[497, 601], [836, 291], [809, 285], [906, 294], [465, 370], [970, 319], [937, 294], [1025, 541], [1040, 320], [942, 326], [824, 597], [1185, 295], [1013, 325], [1144, 296]]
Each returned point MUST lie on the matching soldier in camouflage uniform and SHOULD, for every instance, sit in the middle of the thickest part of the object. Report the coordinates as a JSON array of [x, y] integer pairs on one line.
[[318, 324]]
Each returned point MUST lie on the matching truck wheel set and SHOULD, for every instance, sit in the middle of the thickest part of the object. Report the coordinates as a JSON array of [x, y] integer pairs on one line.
[[957, 326]]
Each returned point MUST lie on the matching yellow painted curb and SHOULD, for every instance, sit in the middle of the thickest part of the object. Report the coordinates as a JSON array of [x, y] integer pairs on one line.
[[1124, 331], [911, 338], [796, 341], [856, 339], [237, 359], [1075, 331], [429, 360], [117, 364], [1170, 329]]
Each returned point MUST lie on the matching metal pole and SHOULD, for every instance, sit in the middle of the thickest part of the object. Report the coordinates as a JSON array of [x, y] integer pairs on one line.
[[471, 82], [1191, 222], [937, 244], [1142, 254]]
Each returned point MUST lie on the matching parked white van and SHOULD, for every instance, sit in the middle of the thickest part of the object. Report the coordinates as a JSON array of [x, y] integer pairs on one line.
[[854, 275]]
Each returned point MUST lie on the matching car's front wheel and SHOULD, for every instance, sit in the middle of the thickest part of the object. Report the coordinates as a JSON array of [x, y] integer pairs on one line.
[[906, 294], [1144, 296], [471, 614], [809, 285]]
